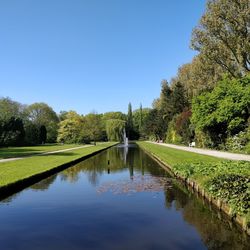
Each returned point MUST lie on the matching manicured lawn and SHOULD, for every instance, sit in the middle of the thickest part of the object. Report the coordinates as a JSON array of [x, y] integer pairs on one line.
[[11, 172], [11, 152], [174, 156], [223, 179]]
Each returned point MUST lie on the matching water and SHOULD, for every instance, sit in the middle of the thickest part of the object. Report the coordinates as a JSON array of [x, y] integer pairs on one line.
[[119, 199]]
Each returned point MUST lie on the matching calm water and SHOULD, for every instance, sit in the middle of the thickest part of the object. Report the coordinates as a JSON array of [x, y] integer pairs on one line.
[[119, 199]]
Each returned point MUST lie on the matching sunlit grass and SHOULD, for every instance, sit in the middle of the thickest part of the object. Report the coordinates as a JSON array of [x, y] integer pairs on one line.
[[32, 150], [13, 171]]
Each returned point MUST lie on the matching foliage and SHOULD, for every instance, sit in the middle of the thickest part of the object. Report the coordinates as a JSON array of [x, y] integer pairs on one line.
[[223, 35], [172, 135], [234, 189], [94, 128], [115, 129], [237, 142], [42, 115], [12, 132], [139, 118], [228, 180], [197, 76], [43, 134], [114, 115], [71, 128], [180, 129], [224, 111]]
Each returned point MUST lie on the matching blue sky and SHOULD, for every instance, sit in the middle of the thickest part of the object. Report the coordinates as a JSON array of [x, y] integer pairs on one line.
[[93, 55]]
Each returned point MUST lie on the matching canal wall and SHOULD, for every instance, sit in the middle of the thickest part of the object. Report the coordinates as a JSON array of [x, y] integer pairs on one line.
[[19, 185], [194, 187]]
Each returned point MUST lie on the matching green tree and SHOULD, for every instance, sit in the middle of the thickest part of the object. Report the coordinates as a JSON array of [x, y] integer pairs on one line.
[[43, 134], [130, 126], [43, 115], [178, 99], [114, 129], [71, 129], [223, 35], [224, 111], [93, 127]]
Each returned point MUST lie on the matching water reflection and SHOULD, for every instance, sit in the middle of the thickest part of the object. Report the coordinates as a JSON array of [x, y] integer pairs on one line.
[[160, 213]]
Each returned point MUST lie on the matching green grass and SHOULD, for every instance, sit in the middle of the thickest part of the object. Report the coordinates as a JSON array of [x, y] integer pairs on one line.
[[174, 156], [224, 179], [11, 152], [13, 171]]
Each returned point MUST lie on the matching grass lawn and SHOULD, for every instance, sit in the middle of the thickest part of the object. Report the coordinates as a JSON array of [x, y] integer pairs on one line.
[[11, 172], [11, 152], [223, 179], [173, 156]]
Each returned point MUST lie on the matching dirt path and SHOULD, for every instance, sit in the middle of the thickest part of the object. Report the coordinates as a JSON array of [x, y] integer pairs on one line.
[[45, 153], [215, 153]]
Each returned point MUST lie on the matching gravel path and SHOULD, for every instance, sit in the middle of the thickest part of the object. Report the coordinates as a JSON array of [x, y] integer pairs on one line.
[[45, 153], [215, 153]]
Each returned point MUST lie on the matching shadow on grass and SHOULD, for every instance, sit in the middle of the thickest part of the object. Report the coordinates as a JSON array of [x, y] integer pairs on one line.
[[6, 153]]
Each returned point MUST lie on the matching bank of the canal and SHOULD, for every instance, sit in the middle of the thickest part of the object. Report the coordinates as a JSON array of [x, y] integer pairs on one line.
[[16, 175], [223, 183]]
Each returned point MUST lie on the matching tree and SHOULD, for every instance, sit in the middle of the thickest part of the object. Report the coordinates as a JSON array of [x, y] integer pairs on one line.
[[71, 129], [198, 76], [154, 125], [115, 129], [10, 108], [43, 134], [93, 127], [43, 115], [139, 117], [224, 111], [178, 99], [114, 115], [223, 35], [130, 126], [12, 132]]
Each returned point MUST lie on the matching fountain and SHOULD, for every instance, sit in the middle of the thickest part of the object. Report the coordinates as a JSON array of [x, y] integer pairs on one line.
[[125, 138]]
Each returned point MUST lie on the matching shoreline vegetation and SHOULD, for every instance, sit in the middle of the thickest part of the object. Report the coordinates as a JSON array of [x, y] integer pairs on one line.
[[224, 183], [16, 175]]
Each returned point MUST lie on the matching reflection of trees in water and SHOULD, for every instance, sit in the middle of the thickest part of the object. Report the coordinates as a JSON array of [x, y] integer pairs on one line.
[[113, 160], [9, 199], [215, 233], [70, 174], [44, 184]]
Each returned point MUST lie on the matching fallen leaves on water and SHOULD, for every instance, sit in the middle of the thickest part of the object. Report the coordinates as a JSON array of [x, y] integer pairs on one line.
[[136, 184]]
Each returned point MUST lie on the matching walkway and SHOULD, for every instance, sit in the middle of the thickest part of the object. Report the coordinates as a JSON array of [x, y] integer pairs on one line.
[[215, 153], [45, 153]]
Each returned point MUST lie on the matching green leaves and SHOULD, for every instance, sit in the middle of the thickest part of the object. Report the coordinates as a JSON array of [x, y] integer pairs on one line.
[[225, 110], [228, 180], [233, 188]]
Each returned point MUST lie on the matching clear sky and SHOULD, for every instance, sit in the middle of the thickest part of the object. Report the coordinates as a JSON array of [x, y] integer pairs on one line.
[[93, 55]]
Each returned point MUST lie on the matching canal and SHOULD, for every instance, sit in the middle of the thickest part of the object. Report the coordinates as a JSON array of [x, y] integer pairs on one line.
[[118, 199]]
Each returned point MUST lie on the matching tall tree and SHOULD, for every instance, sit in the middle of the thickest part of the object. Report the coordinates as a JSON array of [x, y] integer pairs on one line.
[[178, 99], [130, 125], [223, 35]]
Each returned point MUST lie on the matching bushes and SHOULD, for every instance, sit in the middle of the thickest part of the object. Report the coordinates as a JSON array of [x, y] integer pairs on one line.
[[180, 129], [222, 113], [228, 180]]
